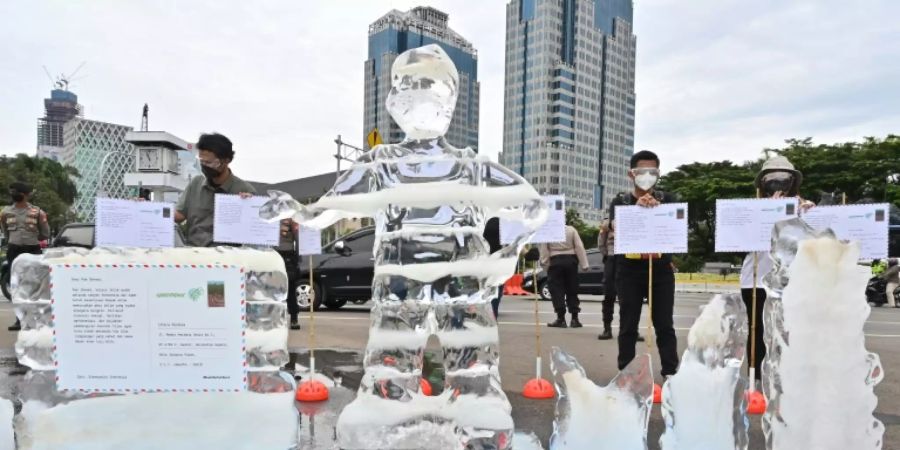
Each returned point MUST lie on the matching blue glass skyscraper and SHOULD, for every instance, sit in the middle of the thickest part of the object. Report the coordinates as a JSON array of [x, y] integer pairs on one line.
[[396, 32]]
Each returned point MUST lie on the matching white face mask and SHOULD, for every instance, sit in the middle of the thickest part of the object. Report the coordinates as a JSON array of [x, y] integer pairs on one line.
[[645, 181]]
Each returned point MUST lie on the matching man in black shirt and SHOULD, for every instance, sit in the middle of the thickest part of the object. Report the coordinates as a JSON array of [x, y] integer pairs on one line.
[[632, 272]]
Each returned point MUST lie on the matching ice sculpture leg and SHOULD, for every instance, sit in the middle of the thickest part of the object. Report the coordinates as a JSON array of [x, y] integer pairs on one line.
[[589, 417], [7, 439], [818, 376], [703, 404]]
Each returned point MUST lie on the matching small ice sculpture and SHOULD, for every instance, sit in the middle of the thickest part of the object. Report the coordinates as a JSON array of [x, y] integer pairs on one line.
[[703, 404], [589, 417], [263, 417], [818, 377], [434, 273]]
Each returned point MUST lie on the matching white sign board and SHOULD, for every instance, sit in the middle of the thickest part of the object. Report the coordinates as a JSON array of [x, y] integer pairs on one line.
[[237, 221], [866, 224], [310, 241], [745, 225], [553, 230], [661, 229], [128, 223], [119, 329]]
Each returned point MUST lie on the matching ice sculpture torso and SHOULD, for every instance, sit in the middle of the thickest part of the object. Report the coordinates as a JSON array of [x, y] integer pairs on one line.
[[434, 273]]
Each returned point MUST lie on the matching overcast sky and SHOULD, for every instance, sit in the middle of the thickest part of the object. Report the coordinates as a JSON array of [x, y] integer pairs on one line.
[[716, 79]]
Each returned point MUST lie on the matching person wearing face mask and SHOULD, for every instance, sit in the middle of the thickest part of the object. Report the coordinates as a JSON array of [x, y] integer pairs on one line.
[[24, 226], [632, 272], [196, 206], [777, 179]]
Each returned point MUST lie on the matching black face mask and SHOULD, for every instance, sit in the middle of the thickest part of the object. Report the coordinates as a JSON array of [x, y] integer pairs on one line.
[[210, 173], [784, 185], [17, 196]]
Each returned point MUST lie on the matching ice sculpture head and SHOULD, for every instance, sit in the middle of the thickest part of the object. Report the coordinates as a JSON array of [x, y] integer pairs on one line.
[[424, 86]]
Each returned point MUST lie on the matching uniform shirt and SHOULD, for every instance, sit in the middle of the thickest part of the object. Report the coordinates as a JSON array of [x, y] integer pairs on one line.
[[197, 203], [287, 236], [628, 199], [606, 239], [24, 226], [571, 246], [764, 266], [892, 274]]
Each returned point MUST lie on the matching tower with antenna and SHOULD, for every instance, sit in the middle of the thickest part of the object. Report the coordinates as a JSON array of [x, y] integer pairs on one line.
[[61, 107]]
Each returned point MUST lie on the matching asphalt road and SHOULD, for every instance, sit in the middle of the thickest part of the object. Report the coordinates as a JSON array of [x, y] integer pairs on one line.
[[347, 329]]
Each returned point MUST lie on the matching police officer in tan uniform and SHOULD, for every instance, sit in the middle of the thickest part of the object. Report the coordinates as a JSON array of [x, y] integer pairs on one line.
[[287, 248], [24, 226]]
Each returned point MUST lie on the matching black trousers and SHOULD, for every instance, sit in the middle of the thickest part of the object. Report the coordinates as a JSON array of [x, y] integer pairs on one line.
[[495, 303], [291, 265], [632, 285], [747, 295], [609, 290], [13, 251], [563, 274]]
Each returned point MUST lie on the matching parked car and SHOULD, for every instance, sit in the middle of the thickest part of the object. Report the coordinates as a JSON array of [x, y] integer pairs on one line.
[[71, 235], [590, 281], [343, 272]]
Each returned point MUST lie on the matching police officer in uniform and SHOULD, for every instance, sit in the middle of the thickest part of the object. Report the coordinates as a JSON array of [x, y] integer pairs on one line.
[[632, 273], [287, 248], [606, 245], [24, 226]]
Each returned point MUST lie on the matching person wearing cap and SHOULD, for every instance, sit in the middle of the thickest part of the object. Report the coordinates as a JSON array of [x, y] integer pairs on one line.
[[287, 248], [632, 272], [562, 261], [777, 179], [196, 206], [24, 226]]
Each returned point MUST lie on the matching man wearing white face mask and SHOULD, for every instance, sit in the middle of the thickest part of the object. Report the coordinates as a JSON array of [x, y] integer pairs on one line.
[[632, 272]]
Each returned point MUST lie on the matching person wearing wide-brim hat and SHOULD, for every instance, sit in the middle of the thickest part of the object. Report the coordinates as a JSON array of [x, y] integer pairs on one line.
[[776, 179]]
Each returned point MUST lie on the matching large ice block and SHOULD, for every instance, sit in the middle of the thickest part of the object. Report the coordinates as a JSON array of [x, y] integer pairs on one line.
[[262, 415], [590, 417], [7, 438], [818, 377], [434, 273], [703, 404]]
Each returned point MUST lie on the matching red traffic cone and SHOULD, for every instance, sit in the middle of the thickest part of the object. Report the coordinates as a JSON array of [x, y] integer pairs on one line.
[[657, 393], [311, 391], [425, 387], [538, 389], [756, 402]]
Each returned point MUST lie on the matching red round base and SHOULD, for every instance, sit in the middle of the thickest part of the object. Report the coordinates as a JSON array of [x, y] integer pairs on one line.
[[311, 391], [425, 387], [657, 393], [538, 388], [756, 402]]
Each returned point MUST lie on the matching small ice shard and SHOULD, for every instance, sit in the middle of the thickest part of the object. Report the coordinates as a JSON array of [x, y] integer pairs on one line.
[[590, 417], [818, 377], [7, 438], [703, 404]]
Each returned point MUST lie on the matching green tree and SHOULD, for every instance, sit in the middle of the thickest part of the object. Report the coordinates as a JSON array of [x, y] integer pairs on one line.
[[587, 233], [54, 188]]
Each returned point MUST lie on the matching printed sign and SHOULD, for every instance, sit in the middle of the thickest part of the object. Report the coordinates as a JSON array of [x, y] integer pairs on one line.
[[661, 229], [866, 224], [745, 225]]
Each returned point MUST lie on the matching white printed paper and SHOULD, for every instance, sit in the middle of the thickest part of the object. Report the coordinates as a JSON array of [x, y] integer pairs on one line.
[[310, 241], [237, 221], [661, 229], [120, 329], [866, 224], [129, 223], [553, 230], [745, 225]]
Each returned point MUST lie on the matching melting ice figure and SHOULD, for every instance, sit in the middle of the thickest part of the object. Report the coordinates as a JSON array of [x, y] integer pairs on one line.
[[703, 404], [590, 417], [818, 377], [434, 274]]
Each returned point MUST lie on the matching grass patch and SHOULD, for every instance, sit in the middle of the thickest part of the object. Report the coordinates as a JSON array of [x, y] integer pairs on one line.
[[682, 277]]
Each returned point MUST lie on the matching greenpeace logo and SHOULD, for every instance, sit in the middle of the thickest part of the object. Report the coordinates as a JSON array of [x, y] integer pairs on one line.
[[170, 295]]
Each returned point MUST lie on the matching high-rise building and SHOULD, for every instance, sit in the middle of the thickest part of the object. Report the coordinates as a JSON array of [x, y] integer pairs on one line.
[[61, 107], [396, 32], [568, 121], [102, 156]]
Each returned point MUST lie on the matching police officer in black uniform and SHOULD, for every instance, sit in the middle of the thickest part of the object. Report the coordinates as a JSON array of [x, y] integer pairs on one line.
[[287, 248], [24, 226], [632, 273]]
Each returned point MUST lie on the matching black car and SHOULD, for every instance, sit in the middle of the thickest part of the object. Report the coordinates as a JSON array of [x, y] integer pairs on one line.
[[343, 272], [71, 235], [590, 281]]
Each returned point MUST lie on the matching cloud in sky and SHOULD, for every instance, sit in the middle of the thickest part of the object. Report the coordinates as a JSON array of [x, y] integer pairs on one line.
[[715, 78]]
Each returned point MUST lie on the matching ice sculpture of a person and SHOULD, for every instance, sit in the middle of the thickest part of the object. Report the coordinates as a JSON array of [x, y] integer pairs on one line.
[[434, 274]]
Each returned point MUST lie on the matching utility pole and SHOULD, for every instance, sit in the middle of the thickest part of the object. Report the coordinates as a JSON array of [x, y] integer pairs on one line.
[[345, 152]]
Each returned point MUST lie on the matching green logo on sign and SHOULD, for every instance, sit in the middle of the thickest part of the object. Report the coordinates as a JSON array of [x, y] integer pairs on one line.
[[195, 294]]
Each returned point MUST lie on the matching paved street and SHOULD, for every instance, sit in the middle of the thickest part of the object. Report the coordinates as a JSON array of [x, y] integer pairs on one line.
[[347, 329]]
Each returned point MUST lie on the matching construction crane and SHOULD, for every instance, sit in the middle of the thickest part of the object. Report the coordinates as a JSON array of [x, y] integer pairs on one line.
[[345, 152], [62, 81]]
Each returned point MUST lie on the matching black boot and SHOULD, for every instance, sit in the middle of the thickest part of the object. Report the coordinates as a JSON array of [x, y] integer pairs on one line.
[[560, 322], [575, 323], [640, 338], [15, 327], [606, 334], [295, 325]]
